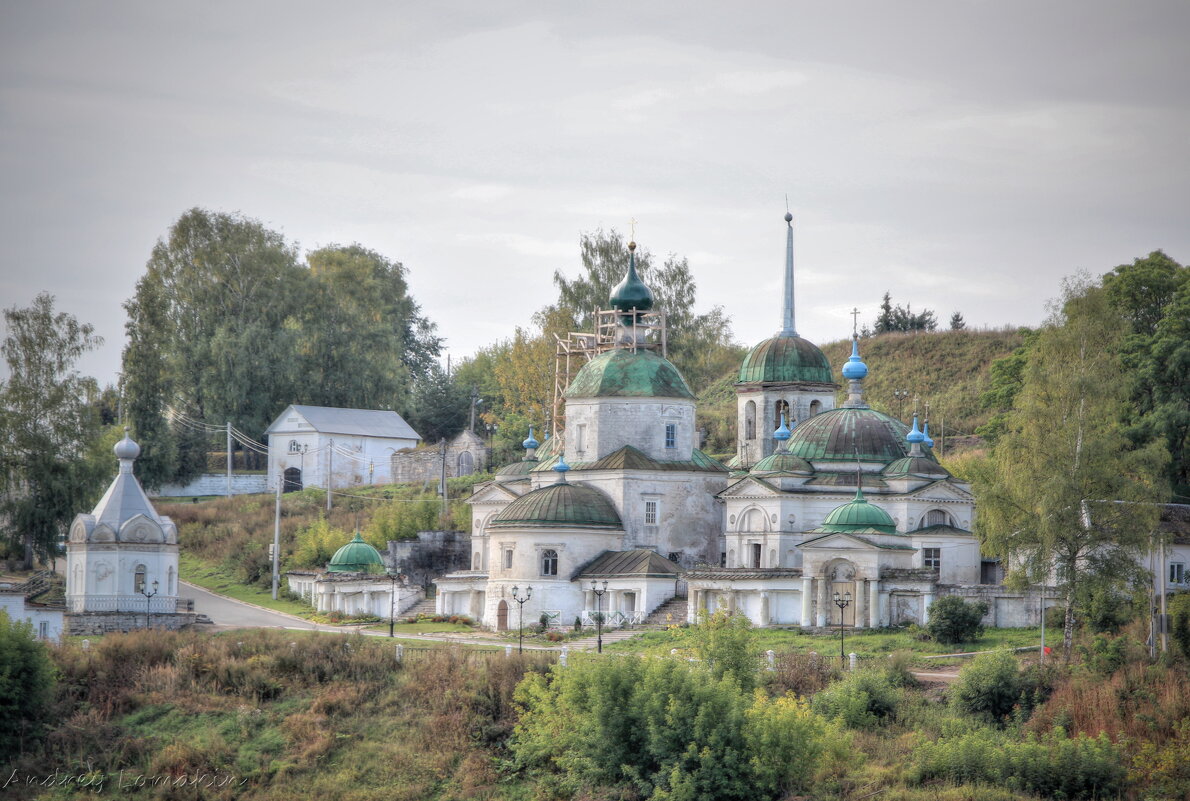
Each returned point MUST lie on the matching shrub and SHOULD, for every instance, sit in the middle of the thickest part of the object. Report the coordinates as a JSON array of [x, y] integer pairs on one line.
[[862, 700], [1105, 655], [1178, 608], [1053, 766], [989, 687], [804, 674], [26, 680], [953, 620], [578, 623], [727, 644]]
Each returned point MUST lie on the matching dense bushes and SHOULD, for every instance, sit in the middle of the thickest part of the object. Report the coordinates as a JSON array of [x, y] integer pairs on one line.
[[953, 620], [1054, 765], [26, 680], [664, 730], [862, 700]]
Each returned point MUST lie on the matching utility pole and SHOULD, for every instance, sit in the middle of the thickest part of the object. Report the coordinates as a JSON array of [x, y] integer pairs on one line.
[[442, 481], [329, 475], [1161, 577], [229, 459], [277, 537]]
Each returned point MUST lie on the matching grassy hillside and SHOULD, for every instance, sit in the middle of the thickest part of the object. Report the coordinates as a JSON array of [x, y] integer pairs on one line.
[[950, 369]]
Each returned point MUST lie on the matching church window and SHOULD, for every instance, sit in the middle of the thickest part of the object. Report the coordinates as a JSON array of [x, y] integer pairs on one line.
[[650, 513], [671, 435], [931, 558], [722, 559], [792, 522], [294, 447], [756, 553], [549, 562], [1177, 572], [781, 408], [935, 517], [138, 581], [580, 437], [508, 558], [750, 420], [815, 407], [43, 630], [731, 557]]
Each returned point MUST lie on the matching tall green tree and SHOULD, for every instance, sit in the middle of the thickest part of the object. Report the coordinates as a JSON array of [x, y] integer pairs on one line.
[[440, 407], [48, 416], [903, 318], [1072, 497]]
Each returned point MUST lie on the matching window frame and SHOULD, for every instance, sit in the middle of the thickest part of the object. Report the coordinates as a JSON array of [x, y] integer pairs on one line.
[[652, 512], [1178, 569], [931, 557], [671, 436], [548, 562]]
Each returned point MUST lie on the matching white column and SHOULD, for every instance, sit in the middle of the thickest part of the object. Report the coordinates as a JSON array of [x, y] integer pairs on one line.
[[765, 613], [807, 601], [875, 611], [861, 604], [885, 609], [824, 599], [927, 601]]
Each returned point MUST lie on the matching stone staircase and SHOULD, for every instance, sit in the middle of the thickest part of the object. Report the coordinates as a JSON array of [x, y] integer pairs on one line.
[[671, 613], [424, 607], [610, 636]]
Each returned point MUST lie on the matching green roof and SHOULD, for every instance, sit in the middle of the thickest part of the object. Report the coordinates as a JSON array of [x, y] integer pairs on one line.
[[561, 505], [630, 458], [516, 469], [356, 556], [858, 515], [916, 466], [638, 563], [847, 433], [782, 462], [624, 373], [786, 359]]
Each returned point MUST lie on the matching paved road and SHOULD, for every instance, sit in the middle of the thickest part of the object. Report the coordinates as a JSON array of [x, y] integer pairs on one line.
[[226, 611]]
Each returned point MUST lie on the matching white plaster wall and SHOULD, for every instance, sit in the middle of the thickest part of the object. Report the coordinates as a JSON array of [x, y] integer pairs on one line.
[[47, 623], [611, 423], [799, 400], [101, 576], [370, 461]]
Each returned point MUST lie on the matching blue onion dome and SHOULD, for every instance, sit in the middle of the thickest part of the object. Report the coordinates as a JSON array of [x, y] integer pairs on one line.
[[782, 433], [561, 467], [915, 436], [631, 293], [855, 369], [126, 448], [926, 433], [530, 442]]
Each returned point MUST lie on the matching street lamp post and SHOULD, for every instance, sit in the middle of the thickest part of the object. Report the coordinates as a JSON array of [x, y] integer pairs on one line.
[[598, 615], [520, 645], [148, 595], [842, 602]]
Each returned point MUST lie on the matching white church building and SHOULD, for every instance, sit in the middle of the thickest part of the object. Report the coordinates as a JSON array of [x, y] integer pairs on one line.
[[620, 511]]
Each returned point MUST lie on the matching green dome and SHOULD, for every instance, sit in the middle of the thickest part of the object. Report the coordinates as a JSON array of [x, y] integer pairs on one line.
[[356, 556], [859, 515], [916, 466], [631, 293], [516, 469], [782, 462], [559, 506], [624, 373], [843, 434], [786, 359]]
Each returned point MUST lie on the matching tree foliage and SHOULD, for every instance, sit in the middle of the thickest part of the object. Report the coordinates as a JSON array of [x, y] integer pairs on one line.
[[903, 318], [48, 418], [1072, 497], [228, 324], [953, 620], [26, 682]]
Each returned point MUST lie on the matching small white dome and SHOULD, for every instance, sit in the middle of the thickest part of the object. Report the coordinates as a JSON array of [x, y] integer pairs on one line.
[[126, 448]]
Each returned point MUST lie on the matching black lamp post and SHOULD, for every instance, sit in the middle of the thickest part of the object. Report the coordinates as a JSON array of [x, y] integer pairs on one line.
[[148, 595], [520, 645], [598, 615], [842, 602]]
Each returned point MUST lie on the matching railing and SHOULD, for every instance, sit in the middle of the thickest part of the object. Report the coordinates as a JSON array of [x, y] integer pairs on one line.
[[614, 619], [121, 603]]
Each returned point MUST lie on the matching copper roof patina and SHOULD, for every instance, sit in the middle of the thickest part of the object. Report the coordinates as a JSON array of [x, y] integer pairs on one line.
[[785, 359], [638, 563], [916, 466], [858, 515], [561, 505], [356, 556], [516, 469], [782, 462], [624, 373], [849, 433], [630, 458]]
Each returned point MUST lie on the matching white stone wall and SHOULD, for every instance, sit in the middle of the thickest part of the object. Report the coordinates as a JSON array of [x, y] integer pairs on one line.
[[216, 484], [47, 623], [370, 461], [604, 425], [100, 577], [801, 402]]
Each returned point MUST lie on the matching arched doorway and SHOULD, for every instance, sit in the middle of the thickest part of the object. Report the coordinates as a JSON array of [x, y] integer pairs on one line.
[[502, 616], [292, 480], [466, 464]]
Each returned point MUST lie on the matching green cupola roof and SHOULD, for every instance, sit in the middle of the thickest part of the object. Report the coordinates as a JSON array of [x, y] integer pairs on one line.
[[561, 505], [356, 556], [847, 434], [631, 293], [785, 359], [782, 462], [858, 515], [627, 373]]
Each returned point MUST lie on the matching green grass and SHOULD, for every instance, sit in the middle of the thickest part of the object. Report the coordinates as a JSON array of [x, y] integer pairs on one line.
[[217, 579], [424, 628], [866, 644]]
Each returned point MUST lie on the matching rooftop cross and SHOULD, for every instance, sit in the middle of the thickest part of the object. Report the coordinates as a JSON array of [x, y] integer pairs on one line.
[[632, 229], [854, 320]]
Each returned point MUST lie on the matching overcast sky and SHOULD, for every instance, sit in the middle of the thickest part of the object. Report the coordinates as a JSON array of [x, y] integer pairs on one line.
[[962, 155]]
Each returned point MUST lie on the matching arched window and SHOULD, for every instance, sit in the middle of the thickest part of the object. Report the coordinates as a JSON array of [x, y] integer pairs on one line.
[[549, 562], [292, 480], [466, 464], [815, 407], [756, 552], [138, 579], [750, 420], [936, 517], [781, 408]]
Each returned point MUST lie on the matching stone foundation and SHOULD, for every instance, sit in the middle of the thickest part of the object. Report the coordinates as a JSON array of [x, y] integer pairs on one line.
[[94, 623]]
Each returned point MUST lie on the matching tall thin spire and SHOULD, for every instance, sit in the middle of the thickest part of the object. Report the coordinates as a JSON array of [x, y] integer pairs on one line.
[[787, 329]]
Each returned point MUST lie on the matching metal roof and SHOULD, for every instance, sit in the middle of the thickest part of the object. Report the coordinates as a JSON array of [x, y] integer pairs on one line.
[[630, 458], [624, 373], [849, 433], [785, 359], [356, 422], [638, 563], [560, 505]]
